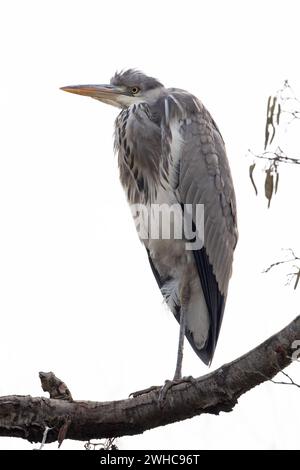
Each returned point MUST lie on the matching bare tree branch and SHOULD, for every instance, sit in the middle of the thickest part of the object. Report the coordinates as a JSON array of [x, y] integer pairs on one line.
[[284, 261], [276, 156], [283, 103], [277, 382], [29, 418], [290, 276], [291, 382]]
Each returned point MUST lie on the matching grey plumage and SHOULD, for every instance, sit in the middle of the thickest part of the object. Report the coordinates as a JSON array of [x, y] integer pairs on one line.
[[132, 78], [171, 151]]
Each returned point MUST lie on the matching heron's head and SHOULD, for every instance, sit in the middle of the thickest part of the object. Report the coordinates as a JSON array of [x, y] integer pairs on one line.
[[125, 89]]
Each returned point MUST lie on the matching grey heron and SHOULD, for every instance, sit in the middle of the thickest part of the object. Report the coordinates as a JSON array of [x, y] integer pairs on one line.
[[170, 150]]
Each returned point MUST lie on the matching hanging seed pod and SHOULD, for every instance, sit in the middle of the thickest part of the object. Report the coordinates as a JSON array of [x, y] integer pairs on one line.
[[267, 123], [297, 279], [271, 122], [278, 114], [251, 169], [276, 180], [269, 186]]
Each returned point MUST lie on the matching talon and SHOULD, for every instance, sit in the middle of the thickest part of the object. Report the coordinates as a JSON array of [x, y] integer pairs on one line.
[[144, 391], [171, 383], [164, 390]]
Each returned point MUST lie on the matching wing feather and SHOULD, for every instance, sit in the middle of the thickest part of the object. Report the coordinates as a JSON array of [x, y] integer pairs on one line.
[[200, 175], [205, 178]]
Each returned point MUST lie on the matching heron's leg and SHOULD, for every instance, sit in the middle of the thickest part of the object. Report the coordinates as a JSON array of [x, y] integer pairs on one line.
[[178, 379], [177, 375], [185, 294]]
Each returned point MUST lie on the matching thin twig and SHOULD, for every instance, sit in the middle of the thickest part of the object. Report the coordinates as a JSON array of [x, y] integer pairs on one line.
[[291, 382], [47, 429], [277, 263], [276, 156]]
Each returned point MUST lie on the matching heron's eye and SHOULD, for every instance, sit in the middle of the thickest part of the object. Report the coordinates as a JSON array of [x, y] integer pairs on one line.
[[135, 90]]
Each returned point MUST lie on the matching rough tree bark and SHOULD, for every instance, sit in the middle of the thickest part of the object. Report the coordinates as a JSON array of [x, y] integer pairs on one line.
[[27, 417]]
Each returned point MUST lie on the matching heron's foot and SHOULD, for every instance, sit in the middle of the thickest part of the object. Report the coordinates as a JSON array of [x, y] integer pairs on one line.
[[171, 383], [144, 391]]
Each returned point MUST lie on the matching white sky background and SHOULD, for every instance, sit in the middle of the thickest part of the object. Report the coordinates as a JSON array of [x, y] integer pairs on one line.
[[76, 293]]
